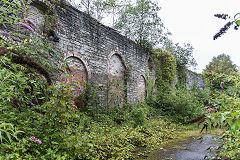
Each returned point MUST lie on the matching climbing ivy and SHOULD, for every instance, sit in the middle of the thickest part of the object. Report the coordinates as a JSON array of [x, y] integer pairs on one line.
[[165, 67]]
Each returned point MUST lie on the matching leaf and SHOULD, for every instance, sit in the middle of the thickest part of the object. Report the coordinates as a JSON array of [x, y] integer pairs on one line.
[[1, 138], [235, 114], [238, 22], [238, 123], [234, 126], [229, 121], [9, 137]]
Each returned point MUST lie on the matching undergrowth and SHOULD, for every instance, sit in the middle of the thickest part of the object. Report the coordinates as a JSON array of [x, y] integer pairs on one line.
[[39, 121]]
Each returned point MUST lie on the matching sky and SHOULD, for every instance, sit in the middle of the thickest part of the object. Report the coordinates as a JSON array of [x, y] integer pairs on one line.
[[193, 21]]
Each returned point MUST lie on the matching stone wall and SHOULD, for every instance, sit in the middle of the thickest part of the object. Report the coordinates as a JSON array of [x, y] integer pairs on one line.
[[194, 80], [98, 54]]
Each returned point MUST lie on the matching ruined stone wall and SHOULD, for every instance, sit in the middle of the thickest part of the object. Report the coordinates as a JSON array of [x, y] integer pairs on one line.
[[193, 79], [98, 54]]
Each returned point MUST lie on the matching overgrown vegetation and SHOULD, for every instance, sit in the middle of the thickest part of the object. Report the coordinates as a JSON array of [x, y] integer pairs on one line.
[[221, 64], [39, 121], [30, 108], [178, 103], [224, 92], [43, 119]]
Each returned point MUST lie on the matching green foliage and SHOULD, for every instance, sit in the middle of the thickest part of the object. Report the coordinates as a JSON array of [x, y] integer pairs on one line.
[[150, 88], [165, 67], [180, 104], [96, 8], [229, 81], [140, 22], [10, 12], [181, 77], [49, 113], [184, 59], [221, 64], [8, 133], [139, 114], [230, 139], [225, 99], [177, 103], [32, 44], [183, 55], [202, 96]]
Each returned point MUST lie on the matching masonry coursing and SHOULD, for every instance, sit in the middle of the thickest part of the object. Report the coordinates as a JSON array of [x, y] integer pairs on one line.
[[194, 80], [99, 54], [100, 51]]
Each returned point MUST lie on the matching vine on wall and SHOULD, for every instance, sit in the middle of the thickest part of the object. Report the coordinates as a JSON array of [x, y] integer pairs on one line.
[[165, 67]]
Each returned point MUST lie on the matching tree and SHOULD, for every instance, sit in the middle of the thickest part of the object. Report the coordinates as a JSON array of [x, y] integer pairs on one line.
[[184, 58], [183, 55], [95, 8], [141, 23], [114, 7], [221, 64]]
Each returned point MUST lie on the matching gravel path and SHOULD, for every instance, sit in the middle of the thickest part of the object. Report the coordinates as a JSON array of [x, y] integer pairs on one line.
[[194, 149]]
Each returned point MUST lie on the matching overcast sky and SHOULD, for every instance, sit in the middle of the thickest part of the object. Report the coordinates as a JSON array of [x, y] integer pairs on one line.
[[193, 21]]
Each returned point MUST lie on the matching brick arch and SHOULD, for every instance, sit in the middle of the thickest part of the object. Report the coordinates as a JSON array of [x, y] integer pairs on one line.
[[141, 88], [78, 70], [117, 81], [80, 57], [117, 53]]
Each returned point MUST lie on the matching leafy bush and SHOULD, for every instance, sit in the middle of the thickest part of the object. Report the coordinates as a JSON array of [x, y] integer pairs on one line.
[[225, 99], [8, 133], [139, 114], [179, 104], [165, 67], [214, 80]]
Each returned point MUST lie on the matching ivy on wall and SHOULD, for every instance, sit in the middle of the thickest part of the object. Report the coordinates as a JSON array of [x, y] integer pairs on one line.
[[165, 67], [181, 76]]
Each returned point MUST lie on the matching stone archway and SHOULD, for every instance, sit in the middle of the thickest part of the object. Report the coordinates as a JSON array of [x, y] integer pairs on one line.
[[76, 72], [141, 86], [117, 83]]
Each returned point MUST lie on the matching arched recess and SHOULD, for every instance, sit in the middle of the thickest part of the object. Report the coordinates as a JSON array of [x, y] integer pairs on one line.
[[77, 71], [117, 80], [142, 88]]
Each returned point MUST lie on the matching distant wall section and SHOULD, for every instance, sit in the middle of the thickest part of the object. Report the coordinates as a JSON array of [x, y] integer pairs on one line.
[[193, 79]]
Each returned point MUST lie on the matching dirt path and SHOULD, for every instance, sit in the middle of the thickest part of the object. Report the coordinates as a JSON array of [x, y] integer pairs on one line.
[[193, 149]]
